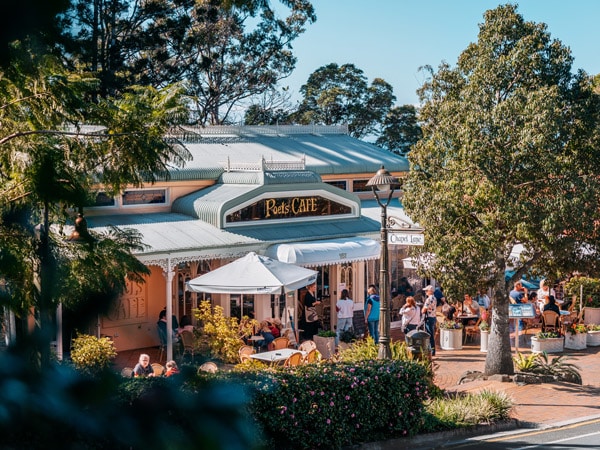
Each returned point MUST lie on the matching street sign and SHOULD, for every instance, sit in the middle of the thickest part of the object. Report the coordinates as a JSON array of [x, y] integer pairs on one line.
[[395, 238]]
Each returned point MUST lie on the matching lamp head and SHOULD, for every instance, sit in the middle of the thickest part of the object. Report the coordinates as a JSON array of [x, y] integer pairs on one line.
[[383, 180]]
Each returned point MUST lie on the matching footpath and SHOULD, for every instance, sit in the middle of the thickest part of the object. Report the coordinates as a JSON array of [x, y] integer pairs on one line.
[[535, 405]]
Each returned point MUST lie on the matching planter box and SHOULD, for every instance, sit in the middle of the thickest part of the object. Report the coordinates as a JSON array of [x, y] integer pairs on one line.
[[593, 339], [591, 315], [575, 341], [325, 346], [485, 336], [551, 345], [451, 339]]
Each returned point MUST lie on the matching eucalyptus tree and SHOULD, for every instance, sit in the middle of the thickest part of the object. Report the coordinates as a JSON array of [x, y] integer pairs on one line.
[[225, 51], [50, 164], [400, 130], [335, 95], [509, 156]]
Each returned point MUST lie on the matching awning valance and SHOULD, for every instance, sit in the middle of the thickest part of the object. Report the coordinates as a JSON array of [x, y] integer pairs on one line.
[[326, 252]]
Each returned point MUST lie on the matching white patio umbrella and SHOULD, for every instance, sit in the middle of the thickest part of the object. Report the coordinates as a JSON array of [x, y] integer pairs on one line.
[[253, 274]]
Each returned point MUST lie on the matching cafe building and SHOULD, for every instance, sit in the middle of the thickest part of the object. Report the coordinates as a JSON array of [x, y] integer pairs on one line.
[[294, 193]]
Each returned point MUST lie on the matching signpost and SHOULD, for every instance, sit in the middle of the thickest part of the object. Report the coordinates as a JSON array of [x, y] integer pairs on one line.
[[518, 311], [397, 238]]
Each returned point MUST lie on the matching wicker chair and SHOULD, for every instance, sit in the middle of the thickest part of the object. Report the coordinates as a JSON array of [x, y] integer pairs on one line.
[[550, 321], [209, 367], [307, 346], [311, 356], [279, 343], [159, 369], [127, 372], [245, 352], [295, 359], [472, 331], [187, 339]]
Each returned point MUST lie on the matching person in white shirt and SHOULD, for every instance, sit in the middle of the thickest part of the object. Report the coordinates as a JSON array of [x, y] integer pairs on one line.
[[411, 316], [545, 291], [345, 310]]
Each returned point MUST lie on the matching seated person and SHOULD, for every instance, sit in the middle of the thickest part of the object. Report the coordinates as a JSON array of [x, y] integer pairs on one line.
[[265, 332], [470, 308], [551, 305], [143, 367], [172, 368], [518, 293], [186, 324], [448, 309]]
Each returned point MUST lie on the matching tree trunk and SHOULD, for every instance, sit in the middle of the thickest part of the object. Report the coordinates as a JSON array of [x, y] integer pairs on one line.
[[499, 356]]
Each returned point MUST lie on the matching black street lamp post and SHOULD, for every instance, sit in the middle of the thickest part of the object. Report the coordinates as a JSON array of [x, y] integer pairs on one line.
[[383, 182]]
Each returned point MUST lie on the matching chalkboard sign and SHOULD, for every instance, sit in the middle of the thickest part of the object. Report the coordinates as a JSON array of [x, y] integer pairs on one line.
[[520, 310], [358, 322]]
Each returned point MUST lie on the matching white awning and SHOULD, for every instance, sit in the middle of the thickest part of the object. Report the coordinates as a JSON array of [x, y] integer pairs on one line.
[[326, 252]]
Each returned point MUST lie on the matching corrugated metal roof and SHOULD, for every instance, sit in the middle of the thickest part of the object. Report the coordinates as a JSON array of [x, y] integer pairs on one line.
[[325, 153]]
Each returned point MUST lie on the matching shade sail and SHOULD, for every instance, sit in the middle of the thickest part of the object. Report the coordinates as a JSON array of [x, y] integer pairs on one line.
[[326, 252], [253, 274]]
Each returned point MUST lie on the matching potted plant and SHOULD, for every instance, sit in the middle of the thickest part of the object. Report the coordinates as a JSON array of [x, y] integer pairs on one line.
[[575, 336], [588, 290], [484, 330], [347, 337], [593, 335], [547, 342], [451, 335], [325, 341]]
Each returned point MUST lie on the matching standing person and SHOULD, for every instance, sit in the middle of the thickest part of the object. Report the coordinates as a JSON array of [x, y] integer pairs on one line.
[[143, 367], [372, 312], [429, 312], [345, 310], [438, 293], [411, 317], [311, 317]]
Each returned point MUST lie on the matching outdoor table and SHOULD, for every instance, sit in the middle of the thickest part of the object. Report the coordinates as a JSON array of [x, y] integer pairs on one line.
[[256, 341], [464, 318], [276, 356]]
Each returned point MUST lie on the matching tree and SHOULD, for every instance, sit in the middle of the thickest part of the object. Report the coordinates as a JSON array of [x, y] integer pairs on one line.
[[400, 130], [509, 156], [225, 51], [49, 166], [271, 108], [336, 95]]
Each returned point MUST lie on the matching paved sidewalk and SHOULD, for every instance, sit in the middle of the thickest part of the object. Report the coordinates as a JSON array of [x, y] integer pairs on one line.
[[542, 404]]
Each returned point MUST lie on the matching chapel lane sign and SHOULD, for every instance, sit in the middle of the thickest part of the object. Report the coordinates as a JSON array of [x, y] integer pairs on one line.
[[397, 238]]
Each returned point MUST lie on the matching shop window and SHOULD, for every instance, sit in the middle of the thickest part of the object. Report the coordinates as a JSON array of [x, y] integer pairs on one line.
[[361, 186], [340, 184], [145, 197]]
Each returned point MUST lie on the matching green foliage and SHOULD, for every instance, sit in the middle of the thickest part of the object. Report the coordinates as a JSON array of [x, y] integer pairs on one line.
[[336, 95], [490, 128], [547, 335], [348, 336], [558, 367], [326, 333], [451, 325], [367, 349], [400, 130], [525, 363], [92, 354], [590, 287], [332, 405], [221, 333], [484, 326], [576, 328], [455, 411]]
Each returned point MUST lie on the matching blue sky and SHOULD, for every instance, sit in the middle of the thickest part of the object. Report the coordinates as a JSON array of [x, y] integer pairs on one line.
[[391, 39]]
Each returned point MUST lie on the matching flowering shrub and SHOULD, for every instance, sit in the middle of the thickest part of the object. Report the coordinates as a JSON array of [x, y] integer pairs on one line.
[[575, 328], [451, 325], [222, 334], [91, 354], [332, 405], [484, 326]]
